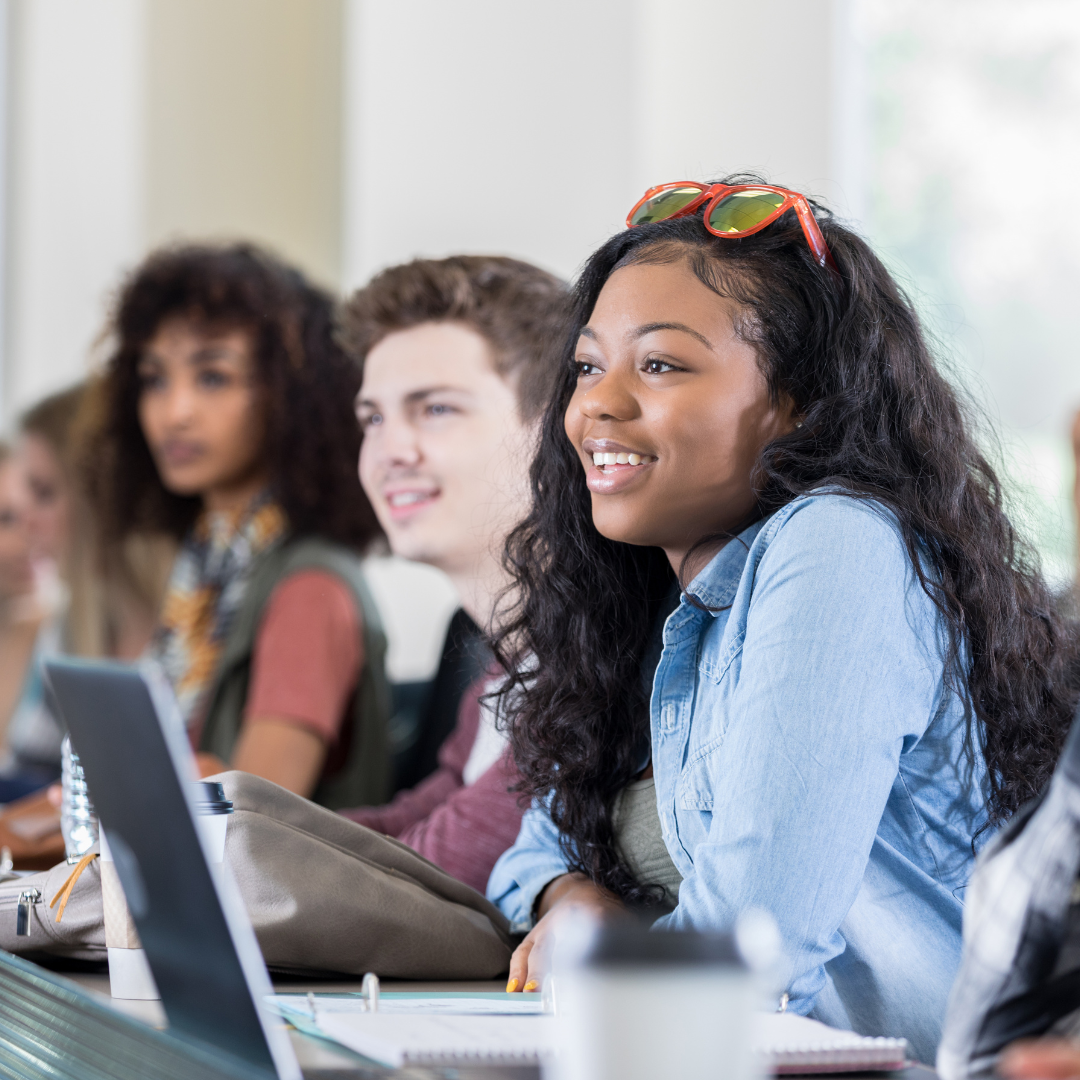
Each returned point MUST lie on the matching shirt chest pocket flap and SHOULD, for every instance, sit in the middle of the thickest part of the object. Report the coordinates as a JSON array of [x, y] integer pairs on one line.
[[701, 774], [699, 777]]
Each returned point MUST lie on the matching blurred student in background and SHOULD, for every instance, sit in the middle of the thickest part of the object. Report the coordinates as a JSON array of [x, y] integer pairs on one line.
[[459, 357], [22, 616], [107, 598], [227, 422], [45, 435], [91, 602]]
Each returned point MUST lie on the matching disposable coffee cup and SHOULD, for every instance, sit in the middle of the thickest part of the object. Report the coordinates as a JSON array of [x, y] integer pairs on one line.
[[212, 817], [635, 1004], [129, 972]]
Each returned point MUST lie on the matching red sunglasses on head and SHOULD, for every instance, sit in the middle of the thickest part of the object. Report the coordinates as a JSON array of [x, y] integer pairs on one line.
[[731, 210]]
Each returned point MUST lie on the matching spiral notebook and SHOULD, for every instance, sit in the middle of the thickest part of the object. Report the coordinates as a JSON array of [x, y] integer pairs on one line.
[[403, 1039], [788, 1044], [797, 1044]]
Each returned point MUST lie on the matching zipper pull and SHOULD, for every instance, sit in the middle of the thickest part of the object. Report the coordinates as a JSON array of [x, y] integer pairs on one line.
[[27, 898]]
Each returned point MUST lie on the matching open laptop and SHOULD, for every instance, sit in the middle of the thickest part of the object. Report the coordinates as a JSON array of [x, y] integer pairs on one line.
[[126, 728]]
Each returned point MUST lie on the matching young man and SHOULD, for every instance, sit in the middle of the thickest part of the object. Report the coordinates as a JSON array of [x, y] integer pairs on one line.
[[458, 358]]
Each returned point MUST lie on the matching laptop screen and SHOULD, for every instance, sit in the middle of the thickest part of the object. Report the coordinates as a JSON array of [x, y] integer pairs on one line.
[[126, 729]]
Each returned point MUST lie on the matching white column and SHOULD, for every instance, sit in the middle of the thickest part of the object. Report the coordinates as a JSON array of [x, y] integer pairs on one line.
[[244, 126], [76, 198]]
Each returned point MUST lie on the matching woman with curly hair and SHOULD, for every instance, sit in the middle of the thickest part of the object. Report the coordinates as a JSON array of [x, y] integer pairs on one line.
[[226, 421], [860, 670]]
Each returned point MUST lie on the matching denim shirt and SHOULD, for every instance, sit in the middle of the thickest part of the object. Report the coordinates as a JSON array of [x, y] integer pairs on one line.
[[812, 760]]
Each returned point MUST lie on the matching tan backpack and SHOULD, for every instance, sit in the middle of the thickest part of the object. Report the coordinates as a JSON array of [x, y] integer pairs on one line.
[[323, 894]]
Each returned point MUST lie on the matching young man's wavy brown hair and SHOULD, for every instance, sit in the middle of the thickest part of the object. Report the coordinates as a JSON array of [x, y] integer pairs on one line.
[[308, 383], [521, 310]]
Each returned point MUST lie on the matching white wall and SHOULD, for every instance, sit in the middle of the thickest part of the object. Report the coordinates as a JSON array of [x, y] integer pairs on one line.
[[530, 129], [485, 126], [75, 204], [728, 87]]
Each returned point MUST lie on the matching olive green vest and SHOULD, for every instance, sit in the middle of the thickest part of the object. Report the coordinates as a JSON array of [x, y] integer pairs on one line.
[[364, 777]]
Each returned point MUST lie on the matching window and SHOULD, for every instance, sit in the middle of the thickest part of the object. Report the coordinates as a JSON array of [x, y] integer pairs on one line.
[[971, 150]]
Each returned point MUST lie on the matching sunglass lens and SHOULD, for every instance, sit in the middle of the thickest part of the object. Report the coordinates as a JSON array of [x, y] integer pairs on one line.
[[742, 210], [664, 205]]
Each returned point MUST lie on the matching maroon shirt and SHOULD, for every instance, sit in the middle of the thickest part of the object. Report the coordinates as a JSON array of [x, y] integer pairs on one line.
[[462, 829]]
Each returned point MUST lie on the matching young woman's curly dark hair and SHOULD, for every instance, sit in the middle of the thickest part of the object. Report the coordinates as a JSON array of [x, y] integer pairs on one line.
[[879, 421], [312, 440]]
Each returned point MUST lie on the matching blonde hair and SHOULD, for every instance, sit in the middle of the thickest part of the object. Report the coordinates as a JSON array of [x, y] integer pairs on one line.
[[114, 592]]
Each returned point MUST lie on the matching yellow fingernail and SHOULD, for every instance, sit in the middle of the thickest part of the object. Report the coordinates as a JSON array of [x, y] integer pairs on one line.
[[511, 986], [530, 986]]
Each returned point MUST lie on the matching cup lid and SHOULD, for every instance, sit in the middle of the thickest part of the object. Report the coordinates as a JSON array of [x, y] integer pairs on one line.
[[630, 945], [210, 798]]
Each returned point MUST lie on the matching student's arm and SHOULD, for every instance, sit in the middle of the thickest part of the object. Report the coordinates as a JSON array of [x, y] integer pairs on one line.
[[307, 660], [526, 869], [412, 806], [839, 669], [407, 807], [277, 749], [472, 827]]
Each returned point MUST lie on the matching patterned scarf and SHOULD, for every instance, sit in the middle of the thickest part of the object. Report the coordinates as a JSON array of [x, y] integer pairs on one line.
[[205, 591]]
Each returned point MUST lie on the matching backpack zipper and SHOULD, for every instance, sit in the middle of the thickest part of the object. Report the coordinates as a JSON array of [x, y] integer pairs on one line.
[[27, 899]]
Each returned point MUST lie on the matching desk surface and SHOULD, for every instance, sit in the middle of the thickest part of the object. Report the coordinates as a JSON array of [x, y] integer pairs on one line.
[[315, 1055], [46, 1032]]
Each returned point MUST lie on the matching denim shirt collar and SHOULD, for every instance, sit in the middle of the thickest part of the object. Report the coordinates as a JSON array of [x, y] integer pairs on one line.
[[716, 585]]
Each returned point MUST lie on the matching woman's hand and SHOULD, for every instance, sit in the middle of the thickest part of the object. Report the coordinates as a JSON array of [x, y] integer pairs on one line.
[[532, 958], [1041, 1059]]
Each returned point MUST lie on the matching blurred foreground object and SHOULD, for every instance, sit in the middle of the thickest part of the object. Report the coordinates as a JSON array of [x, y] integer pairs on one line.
[[30, 827], [78, 822], [637, 1005], [1021, 964]]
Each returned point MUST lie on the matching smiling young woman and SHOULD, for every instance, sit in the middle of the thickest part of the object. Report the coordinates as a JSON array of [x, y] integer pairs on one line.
[[859, 670], [226, 421]]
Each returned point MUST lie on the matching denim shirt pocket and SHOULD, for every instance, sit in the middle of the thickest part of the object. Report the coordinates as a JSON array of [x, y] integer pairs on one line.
[[715, 668], [698, 779]]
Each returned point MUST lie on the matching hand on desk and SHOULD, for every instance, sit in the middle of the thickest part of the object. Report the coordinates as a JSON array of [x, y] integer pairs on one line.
[[1041, 1059], [532, 958]]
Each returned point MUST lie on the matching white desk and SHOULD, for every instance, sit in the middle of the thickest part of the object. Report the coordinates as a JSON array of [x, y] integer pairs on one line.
[[313, 1054]]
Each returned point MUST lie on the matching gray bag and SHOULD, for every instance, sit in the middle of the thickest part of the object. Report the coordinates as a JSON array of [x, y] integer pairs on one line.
[[323, 893]]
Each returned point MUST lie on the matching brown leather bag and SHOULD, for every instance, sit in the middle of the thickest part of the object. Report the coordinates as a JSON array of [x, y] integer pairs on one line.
[[323, 893]]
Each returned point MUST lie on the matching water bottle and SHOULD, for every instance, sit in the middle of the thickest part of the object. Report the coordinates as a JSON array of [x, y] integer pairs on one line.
[[77, 821]]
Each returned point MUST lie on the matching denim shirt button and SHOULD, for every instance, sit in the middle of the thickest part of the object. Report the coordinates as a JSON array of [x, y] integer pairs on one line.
[[668, 717]]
